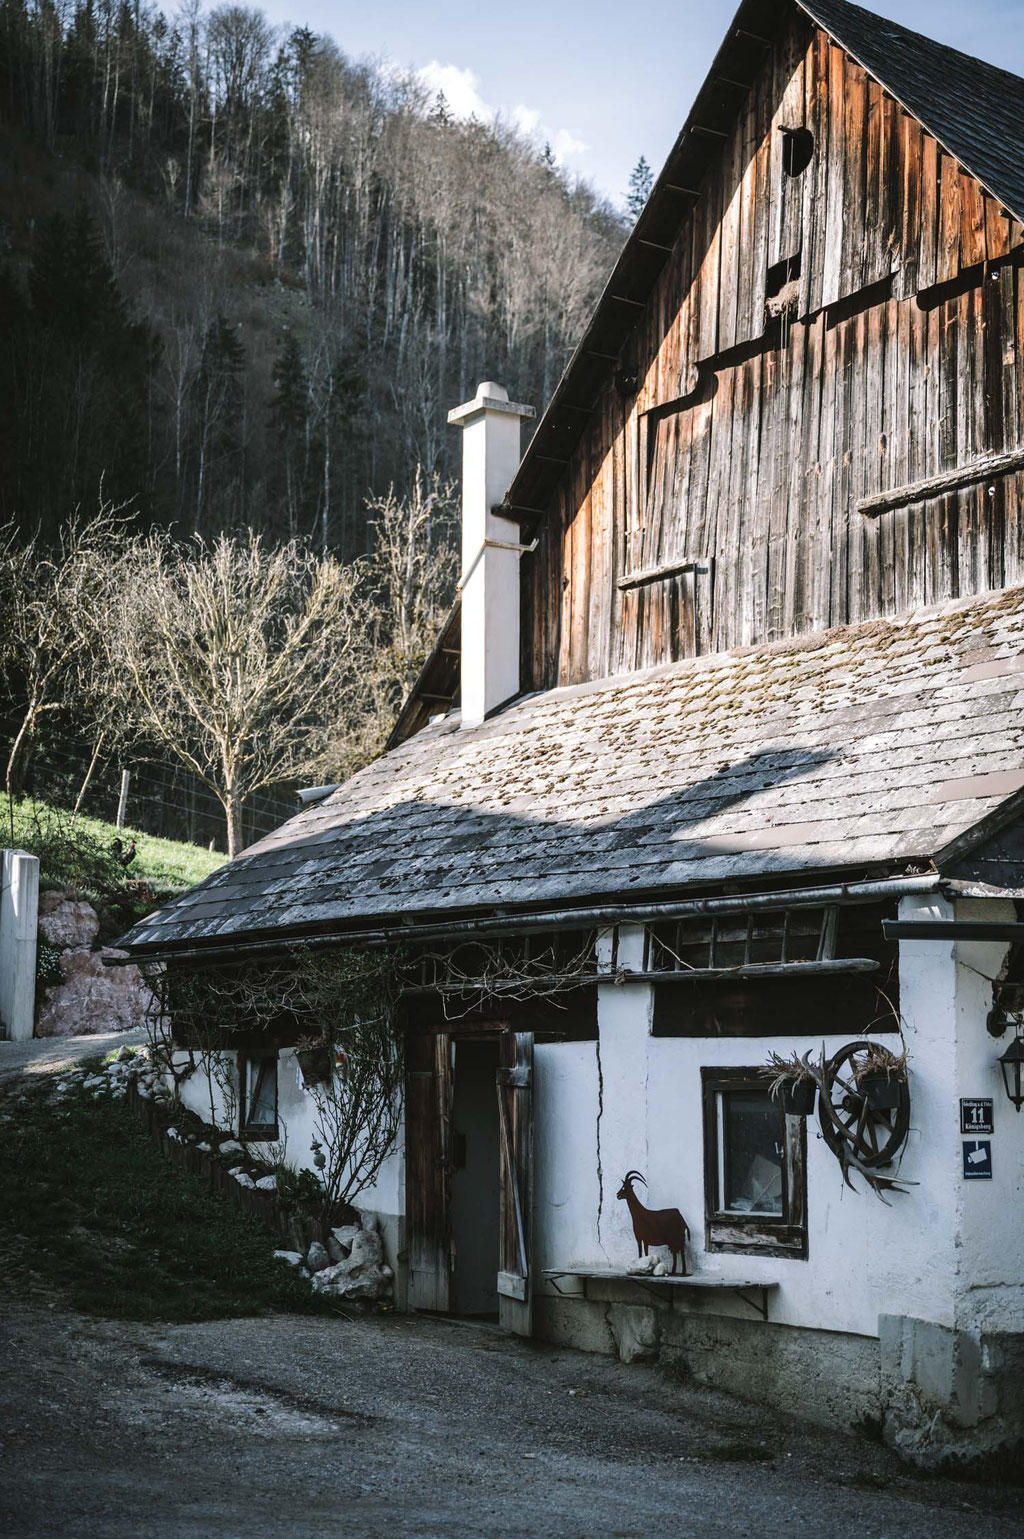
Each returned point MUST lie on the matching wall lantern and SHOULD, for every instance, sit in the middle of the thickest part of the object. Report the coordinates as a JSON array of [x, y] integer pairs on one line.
[[1012, 1064]]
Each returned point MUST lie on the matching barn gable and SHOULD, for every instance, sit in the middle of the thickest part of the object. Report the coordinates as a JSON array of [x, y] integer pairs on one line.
[[818, 311]]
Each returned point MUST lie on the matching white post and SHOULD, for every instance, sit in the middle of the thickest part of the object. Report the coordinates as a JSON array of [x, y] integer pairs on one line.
[[122, 801], [19, 905], [491, 433]]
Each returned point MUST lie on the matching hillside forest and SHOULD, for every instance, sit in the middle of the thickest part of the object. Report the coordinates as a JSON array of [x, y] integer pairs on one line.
[[242, 279], [246, 276]]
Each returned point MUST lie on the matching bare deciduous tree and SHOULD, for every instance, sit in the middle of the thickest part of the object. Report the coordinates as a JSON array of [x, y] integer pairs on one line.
[[55, 609], [233, 656], [411, 573]]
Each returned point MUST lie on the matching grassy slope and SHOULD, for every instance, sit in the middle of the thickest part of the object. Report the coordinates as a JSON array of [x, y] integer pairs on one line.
[[91, 1209], [56, 837]]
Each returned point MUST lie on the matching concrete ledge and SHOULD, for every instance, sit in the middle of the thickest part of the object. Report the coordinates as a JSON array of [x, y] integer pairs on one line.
[[829, 1377]]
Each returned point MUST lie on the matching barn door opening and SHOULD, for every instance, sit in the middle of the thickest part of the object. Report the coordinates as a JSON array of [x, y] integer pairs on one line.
[[475, 1179], [515, 1129], [428, 1140]]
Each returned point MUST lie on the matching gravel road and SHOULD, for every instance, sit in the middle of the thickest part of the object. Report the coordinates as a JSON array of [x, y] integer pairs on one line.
[[404, 1426], [45, 1055]]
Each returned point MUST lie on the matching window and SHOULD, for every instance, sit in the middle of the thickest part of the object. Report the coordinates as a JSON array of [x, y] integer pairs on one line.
[[797, 150], [754, 1168], [258, 1116]]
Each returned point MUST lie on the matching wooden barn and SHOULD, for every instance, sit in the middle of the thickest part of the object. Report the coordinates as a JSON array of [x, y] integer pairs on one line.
[[718, 769]]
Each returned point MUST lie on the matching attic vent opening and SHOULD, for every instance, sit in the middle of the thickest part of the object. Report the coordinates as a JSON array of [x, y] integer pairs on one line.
[[782, 288], [797, 149]]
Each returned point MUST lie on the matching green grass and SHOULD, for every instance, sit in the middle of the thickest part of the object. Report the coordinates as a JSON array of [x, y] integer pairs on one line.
[[90, 1208], [76, 851]]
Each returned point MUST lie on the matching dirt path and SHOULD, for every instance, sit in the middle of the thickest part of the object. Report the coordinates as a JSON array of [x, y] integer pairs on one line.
[[45, 1055], [403, 1426]]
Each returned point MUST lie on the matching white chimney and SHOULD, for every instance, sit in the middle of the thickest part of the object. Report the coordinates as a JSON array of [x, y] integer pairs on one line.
[[490, 550]]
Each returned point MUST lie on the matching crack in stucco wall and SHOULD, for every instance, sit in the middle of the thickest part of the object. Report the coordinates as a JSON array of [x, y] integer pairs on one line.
[[600, 1114]]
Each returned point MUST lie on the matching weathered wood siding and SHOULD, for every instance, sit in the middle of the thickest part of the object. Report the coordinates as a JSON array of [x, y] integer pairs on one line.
[[747, 444]]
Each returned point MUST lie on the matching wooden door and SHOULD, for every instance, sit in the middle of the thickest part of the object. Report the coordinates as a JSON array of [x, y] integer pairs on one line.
[[428, 1170], [515, 1130]]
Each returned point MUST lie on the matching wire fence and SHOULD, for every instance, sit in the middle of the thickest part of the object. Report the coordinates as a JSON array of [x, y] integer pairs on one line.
[[163, 799]]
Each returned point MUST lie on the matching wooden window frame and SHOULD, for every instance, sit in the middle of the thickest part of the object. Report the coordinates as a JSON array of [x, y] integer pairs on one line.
[[755, 1234], [258, 1132]]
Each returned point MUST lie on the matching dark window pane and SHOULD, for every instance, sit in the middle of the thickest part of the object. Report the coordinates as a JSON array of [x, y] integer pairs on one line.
[[751, 1155]]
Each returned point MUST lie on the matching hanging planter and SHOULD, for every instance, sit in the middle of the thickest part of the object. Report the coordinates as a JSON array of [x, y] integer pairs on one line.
[[792, 1084], [314, 1060], [797, 1097], [881, 1077]]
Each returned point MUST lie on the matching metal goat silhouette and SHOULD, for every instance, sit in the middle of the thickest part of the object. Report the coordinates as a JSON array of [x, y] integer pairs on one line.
[[655, 1226]]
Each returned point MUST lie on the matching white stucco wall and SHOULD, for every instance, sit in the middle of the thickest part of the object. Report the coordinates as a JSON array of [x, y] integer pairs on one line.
[[949, 1251], [297, 1120]]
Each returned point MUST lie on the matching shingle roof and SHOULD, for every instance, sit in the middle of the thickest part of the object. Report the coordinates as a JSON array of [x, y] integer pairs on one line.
[[973, 109], [867, 746]]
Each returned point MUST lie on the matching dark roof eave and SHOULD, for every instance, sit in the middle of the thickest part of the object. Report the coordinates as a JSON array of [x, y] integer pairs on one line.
[[601, 909]]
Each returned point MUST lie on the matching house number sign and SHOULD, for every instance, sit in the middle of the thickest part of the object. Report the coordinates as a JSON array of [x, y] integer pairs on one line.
[[976, 1116]]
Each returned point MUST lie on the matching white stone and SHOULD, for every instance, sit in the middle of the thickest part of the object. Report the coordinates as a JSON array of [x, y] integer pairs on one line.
[[203, 1148], [290, 1257], [317, 1257], [362, 1275], [243, 1179], [267, 1184], [143, 1092], [231, 1146], [19, 900], [173, 1133], [339, 1241]]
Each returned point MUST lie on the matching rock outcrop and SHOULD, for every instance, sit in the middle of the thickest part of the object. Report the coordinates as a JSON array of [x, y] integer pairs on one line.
[[93, 998], [67, 923]]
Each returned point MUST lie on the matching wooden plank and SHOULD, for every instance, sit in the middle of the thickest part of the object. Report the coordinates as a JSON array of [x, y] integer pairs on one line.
[[985, 468]]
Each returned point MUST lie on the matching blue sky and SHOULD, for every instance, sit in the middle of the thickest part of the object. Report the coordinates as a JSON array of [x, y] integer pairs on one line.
[[603, 83]]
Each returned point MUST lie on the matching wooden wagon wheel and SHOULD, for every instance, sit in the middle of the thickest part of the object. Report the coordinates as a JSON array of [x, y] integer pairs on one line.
[[874, 1135]]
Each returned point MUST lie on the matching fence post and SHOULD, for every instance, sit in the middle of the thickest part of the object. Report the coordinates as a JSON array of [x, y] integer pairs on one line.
[[122, 801], [19, 908]]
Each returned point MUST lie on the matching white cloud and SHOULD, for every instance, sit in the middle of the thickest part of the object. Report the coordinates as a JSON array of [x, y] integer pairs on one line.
[[460, 87], [568, 146], [526, 119]]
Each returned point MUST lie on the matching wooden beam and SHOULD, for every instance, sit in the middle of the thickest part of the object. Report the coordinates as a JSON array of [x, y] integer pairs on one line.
[[650, 574], [755, 970], [622, 299], [591, 352], [688, 192], [552, 459], [991, 465], [654, 245]]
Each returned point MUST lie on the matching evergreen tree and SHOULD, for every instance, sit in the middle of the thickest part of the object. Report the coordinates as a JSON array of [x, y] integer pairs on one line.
[[641, 180], [76, 369], [290, 415]]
